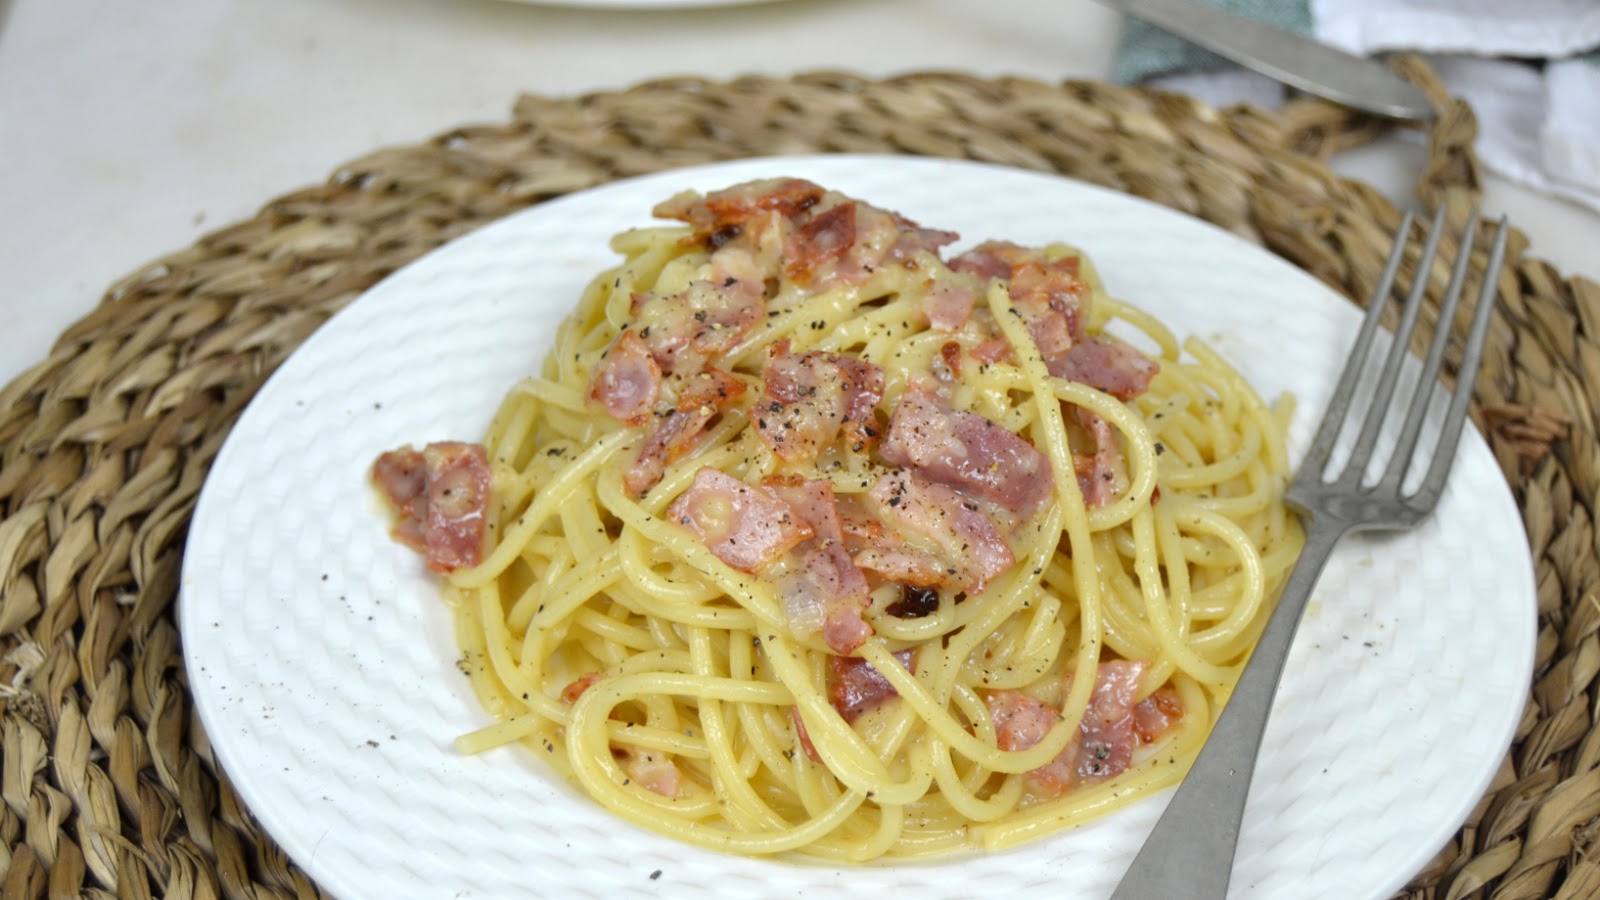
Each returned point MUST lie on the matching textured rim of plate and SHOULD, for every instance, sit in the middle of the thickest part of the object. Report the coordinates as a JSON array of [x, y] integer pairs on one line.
[[269, 717]]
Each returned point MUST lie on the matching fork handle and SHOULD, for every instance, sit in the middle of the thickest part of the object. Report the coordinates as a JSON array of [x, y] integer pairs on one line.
[[1190, 852]]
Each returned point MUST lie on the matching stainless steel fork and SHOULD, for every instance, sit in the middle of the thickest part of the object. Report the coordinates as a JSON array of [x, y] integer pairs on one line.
[[1190, 853]]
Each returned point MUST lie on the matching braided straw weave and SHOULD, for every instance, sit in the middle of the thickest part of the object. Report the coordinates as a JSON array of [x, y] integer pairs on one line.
[[109, 784]]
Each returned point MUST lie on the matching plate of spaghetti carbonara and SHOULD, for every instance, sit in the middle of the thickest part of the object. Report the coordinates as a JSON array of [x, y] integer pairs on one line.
[[830, 526]]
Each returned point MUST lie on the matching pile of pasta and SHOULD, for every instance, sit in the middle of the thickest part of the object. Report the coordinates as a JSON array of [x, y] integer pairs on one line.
[[807, 539]]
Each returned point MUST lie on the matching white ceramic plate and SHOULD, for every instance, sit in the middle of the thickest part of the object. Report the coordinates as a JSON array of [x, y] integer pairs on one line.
[[324, 668]]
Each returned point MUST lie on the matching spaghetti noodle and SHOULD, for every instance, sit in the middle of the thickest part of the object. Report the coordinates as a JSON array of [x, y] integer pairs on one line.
[[807, 539]]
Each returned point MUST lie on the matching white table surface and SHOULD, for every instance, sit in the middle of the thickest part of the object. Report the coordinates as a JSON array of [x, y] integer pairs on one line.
[[127, 130]]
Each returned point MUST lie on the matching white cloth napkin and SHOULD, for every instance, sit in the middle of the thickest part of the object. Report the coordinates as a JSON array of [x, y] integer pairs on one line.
[[1530, 69]]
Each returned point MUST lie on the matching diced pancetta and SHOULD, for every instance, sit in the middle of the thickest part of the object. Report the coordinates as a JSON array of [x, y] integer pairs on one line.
[[672, 438], [809, 398], [441, 496], [856, 687], [700, 397], [826, 594], [692, 328], [992, 351], [628, 380], [893, 561], [968, 452], [1106, 364], [915, 239], [970, 549], [650, 769], [577, 686], [948, 305], [1106, 738], [947, 367], [1020, 720], [843, 241], [1113, 726], [863, 388], [710, 387], [812, 499], [820, 242], [402, 477], [803, 737], [1155, 714], [989, 260], [859, 525], [1096, 456], [1046, 293], [825, 238], [1051, 295], [743, 525], [734, 208]]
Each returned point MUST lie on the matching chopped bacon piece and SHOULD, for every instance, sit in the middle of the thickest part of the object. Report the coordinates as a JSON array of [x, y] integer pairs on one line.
[[1050, 296], [651, 770], [735, 207], [824, 236], [1113, 725], [700, 398], [738, 266], [823, 240], [859, 525], [402, 476], [916, 239], [812, 499], [828, 594], [575, 689], [711, 387], [672, 439], [803, 736], [441, 496], [948, 366], [1107, 738], [863, 388], [855, 686], [970, 546], [744, 525], [1099, 463], [989, 260], [906, 566], [992, 351], [1051, 333], [825, 592], [1046, 293], [967, 451], [1106, 364], [687, 330], [845, 241], [948, 305], [1020, 720], [1155, 714], [627, 381], [809, 398]]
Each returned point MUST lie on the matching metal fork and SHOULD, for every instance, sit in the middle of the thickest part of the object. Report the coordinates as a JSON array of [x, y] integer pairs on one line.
[[1190, 853]]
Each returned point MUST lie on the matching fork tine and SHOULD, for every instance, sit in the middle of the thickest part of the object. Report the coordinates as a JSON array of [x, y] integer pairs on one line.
[[1400, 462], [1333, 419], [1383, 393], [1444, 455]]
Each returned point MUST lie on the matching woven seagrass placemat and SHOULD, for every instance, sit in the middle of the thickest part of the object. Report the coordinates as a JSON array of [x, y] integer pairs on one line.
[[109, 784]]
